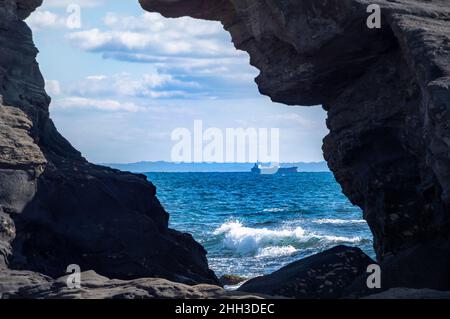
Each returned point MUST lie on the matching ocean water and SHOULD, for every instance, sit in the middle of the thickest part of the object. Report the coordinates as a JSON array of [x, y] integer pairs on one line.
[[254, 224]]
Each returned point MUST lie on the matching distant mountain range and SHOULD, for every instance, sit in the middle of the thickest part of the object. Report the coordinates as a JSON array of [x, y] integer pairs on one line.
[[161, 166]]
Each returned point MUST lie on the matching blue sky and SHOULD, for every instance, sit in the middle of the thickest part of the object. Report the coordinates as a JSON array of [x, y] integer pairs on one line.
[[123, 81]]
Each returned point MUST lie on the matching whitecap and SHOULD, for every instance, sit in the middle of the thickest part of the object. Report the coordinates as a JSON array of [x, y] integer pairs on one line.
[[246, 240], [339, 221], [274, 210], [276, 251], [252, 241], [340, 238]]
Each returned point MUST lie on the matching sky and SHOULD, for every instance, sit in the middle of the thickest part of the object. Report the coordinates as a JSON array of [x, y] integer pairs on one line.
[[122, 80]]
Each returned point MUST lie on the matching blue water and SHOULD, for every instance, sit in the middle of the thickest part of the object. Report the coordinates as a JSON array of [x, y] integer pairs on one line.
[[254, 224]]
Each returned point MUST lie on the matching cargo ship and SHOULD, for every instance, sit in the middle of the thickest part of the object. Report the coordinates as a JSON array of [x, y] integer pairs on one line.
[[270, 170]]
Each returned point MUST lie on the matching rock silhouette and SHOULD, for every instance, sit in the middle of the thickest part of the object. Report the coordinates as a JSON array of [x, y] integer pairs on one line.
[[387, 94]]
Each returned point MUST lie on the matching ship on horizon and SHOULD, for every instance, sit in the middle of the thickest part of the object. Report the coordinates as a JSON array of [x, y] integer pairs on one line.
[[273, 169]]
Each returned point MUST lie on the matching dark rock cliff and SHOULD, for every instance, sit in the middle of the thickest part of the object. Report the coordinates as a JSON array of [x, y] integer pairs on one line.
[[56, 208], [387, 93], [388, 100]]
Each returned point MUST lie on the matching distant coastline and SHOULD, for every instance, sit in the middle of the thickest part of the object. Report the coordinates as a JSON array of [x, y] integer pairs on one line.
[[170, 167]]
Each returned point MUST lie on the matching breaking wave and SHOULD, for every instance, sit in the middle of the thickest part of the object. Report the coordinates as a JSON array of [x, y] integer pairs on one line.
[[338, 221], [264, 242]]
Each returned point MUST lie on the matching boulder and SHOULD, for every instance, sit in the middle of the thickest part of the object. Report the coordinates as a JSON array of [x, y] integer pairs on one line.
[[321, 276], [27, 285]]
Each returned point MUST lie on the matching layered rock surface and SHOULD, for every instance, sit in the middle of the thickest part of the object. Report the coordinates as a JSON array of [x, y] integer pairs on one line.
[[24, 285], [387, 93], [322, 276], [56, 208]]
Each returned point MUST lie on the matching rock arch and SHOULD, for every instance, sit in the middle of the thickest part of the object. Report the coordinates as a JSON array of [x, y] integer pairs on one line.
[[388, 99], [387, 94]]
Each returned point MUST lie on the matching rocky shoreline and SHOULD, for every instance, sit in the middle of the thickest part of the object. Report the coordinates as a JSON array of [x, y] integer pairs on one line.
[[328, 275], [387, 93]]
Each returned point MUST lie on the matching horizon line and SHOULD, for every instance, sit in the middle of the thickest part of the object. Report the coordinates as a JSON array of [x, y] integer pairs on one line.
[[176, 163]]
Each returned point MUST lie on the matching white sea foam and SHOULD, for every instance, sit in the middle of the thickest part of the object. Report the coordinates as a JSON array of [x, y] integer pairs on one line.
[[251, 241], [339, 238], [339, 221], [274, 210], [246, 240], [276, 251]]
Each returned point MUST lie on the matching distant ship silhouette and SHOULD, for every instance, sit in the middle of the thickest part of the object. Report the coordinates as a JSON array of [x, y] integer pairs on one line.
[[271, 170]]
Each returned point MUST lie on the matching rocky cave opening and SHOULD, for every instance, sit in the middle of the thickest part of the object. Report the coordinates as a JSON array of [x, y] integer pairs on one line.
[[26, 244], [386, 92], [37, 244]]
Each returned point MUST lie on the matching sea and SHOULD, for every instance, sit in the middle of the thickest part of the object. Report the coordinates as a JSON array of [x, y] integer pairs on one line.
[[252, 225]]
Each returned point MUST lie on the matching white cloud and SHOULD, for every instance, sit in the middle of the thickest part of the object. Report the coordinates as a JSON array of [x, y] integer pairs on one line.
[[154, 85], [166, 94], [45, 19], [104, 105], [236, 69], [96, 77], [91, 39], [188, 46], [53, 87], [66, 3], [164, 44], [295, 119], [151, 32], [154, 22]]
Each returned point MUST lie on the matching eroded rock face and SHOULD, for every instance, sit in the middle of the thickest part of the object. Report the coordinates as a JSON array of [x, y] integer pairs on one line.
[[325, 275], [28, 285], [56, 208], [387, 93]]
